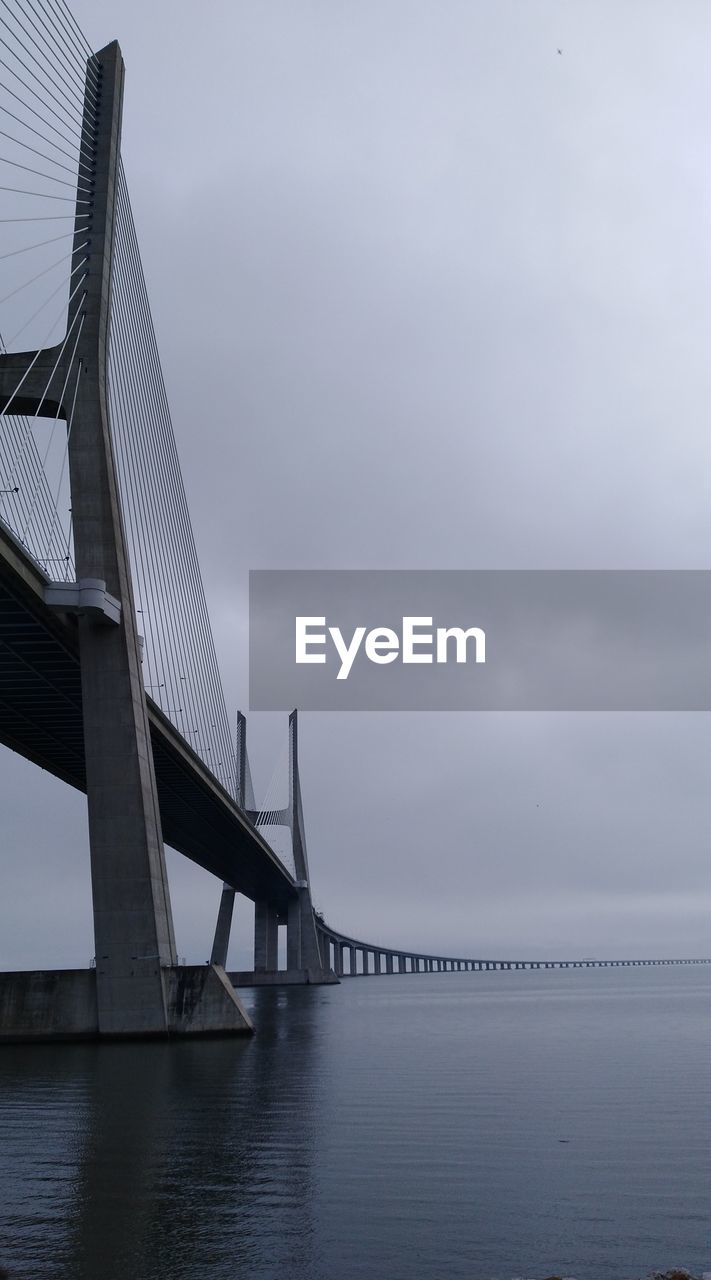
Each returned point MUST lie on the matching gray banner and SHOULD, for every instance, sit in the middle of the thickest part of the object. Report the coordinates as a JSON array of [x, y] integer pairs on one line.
[[489, 640]]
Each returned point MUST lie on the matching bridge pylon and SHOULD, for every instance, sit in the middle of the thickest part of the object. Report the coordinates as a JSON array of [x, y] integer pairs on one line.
[[302, 942], [221, 942], [307, 949], [139, 989]]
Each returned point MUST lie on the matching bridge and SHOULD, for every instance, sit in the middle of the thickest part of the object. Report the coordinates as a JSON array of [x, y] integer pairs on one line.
[[108, 672], [352, 957]]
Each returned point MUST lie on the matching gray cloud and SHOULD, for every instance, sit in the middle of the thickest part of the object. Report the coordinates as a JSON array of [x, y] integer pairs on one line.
[[428, 295]]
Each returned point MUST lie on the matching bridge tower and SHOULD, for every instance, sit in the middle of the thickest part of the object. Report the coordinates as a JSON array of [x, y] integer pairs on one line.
[[306, 955], [302, 948], [139, 988], [221, 942]]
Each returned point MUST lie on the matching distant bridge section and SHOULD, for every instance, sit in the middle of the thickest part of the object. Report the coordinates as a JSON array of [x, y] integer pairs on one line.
[[351, 957]]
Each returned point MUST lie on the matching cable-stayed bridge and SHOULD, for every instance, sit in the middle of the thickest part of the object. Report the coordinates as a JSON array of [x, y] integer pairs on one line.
[[108, 672]]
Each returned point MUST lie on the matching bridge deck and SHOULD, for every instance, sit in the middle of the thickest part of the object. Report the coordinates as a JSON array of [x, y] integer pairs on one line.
[[41, 718], [459, 963]]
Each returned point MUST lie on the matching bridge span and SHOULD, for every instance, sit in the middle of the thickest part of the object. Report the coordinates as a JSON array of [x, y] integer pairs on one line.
[[351, 958]]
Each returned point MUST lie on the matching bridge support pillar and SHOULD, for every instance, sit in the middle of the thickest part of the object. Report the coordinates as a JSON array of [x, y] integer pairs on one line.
[[302, 943], [376, 962], [221, 940], [302, 950], [266, 938], [388, 964], [133, 924], [293, 935], [354, 961]]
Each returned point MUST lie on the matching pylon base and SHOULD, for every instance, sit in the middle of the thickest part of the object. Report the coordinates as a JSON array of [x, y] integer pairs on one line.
[[43, 1005]]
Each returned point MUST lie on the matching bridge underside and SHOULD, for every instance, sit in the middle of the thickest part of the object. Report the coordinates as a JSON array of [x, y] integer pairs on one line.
[[41, 718]]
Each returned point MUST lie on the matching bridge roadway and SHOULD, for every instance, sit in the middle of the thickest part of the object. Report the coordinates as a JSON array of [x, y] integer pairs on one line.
[[375, 960], [41, 718]]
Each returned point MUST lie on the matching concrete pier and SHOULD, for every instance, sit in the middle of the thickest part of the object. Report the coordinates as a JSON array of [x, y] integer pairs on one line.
[[221, 941], [266, 938], [63, 1004], [283, 978]]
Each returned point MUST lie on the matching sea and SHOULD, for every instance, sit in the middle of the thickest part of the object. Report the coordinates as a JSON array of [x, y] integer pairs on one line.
[[458, 1126]]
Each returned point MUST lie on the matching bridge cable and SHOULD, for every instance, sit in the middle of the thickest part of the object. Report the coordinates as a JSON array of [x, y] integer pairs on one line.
[[181, 506], [220, 747], [139, 346]]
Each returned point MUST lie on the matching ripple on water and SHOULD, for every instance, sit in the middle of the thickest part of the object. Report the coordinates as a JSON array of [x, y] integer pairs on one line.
[[468, 1126]]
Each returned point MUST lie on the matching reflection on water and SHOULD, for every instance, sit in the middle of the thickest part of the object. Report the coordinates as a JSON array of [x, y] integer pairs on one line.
[[463, 1125], [161, 1160]]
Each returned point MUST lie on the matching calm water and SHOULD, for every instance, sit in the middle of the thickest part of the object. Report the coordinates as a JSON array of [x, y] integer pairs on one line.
[[432, 1127]]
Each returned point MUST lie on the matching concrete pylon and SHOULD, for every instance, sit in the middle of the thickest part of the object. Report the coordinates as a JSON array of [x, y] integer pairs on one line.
[[266, 938], [307, 946], [139, 989], [223, 928], [301, 935], [133, 923]]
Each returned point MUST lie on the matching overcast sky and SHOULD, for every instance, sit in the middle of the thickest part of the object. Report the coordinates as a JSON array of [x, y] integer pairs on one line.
[[429, 294]]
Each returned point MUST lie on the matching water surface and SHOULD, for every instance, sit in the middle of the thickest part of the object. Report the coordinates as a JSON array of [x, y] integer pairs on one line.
[[429, 1127]]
